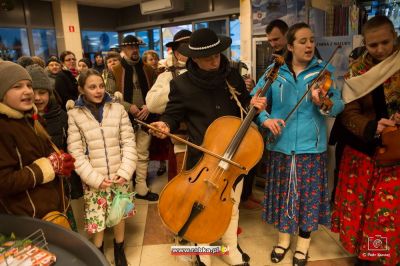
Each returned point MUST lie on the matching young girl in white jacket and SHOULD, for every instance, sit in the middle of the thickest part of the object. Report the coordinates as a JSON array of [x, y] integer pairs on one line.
[[100, 137]]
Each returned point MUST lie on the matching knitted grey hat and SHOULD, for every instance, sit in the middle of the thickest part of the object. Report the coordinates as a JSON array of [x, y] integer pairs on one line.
[[39, 78], [11, 73]]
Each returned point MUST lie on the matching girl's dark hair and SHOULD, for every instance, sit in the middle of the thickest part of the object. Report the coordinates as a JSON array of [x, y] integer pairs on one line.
[[64, 54], [85, 74], [291, 36], [376, 22]]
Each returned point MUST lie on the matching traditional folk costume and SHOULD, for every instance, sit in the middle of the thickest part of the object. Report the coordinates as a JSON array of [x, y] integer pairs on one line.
[[367, 202]]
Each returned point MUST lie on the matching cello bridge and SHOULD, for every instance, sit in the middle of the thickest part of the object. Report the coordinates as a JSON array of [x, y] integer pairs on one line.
[[209, 182]]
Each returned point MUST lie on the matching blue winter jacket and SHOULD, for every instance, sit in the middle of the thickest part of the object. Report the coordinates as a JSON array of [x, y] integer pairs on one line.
[[306, 130]]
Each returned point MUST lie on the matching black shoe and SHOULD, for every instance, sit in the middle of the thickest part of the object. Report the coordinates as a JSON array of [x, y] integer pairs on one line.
[[198, 262], [245, 257], [150, 196], [278, 257], [119, 254], [300, 262], [161, 170]]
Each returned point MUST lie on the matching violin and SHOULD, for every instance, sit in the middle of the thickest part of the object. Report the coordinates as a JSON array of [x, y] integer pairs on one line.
[[324, 83], [388, 153]]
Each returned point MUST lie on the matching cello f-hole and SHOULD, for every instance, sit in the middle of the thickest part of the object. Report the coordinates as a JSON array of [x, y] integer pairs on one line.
[[192, 180], [222, 193]]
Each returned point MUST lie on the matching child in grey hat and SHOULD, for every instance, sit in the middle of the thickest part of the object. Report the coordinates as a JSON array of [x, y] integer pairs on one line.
[[54, 119]]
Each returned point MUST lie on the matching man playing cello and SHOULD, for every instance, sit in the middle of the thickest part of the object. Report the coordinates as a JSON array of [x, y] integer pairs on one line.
[[208, 90]]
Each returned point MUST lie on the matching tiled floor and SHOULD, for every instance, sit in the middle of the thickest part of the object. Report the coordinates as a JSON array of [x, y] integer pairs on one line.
[[148, 243]]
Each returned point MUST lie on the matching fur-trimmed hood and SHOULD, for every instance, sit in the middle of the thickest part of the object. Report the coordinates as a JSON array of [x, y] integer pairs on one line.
[[12, 113], [117, 97]]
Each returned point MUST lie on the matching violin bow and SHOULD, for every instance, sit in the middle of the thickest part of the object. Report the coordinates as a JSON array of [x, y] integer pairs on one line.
[[312, 83], [191, 144]]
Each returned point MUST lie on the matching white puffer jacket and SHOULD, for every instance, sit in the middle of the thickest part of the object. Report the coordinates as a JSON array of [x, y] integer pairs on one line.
[[101, 150]]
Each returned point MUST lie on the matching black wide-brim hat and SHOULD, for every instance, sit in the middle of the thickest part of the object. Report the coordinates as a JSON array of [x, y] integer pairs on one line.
[[130, 40], [180, 37], [203, 43]]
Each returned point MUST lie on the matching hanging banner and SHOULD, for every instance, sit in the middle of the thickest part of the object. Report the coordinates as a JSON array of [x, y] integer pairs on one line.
[[264, 11]]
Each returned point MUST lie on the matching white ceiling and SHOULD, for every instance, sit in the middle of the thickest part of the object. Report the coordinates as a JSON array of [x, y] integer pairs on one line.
[[109, 3]]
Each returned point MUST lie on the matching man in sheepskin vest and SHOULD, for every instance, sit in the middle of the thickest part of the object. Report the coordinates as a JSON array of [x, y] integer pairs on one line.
[[134, 79]]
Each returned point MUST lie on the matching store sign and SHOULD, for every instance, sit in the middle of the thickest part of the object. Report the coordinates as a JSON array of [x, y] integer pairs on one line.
[[71, 28]]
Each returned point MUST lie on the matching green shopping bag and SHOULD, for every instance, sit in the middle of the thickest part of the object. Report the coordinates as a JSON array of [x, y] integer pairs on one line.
[[121, 205]]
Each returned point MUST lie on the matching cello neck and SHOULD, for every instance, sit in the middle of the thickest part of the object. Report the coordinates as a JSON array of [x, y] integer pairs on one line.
[[233, 146], [237, 139]]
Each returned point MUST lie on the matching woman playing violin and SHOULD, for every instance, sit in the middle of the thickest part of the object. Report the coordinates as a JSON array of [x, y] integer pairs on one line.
[[366, 211], [296, 192]]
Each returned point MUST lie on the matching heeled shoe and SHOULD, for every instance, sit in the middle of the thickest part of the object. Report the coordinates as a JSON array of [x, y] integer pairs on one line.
[[278, 257], [300, 262]]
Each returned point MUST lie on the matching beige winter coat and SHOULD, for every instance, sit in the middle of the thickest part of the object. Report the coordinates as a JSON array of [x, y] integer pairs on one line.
[[157, 96], [102, 150]]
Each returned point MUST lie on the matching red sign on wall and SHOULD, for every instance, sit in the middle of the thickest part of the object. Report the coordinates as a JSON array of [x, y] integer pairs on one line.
[[71, 28]]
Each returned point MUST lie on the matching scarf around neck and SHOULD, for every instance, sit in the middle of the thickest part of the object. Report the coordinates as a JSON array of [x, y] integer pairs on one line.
[[365, 75], [209, 79]]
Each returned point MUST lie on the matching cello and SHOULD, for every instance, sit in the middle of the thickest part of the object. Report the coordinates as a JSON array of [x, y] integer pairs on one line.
[[196, 204]]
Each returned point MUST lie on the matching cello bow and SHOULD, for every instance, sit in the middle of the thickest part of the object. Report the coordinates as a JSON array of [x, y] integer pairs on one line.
[[200, 148]]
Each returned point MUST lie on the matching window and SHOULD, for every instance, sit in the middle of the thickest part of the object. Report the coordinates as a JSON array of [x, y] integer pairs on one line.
[[44, 42], [169, 32], [151, 38], [98, 41], [234, 29], [218, 26], [13, 43]]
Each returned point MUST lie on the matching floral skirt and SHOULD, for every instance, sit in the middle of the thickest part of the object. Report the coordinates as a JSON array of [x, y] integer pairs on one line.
[[366, 211], [296, 192], [97, 204]]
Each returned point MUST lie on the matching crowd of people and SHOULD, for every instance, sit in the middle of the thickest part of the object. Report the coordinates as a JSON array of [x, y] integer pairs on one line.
[[75, 123]]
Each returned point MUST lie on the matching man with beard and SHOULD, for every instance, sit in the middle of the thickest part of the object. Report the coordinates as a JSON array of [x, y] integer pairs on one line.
[[134, 79], [208, 90]]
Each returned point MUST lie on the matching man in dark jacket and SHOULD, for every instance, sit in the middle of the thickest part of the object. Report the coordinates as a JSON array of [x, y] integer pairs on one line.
[[276, 35], [208, 90], [134, 79]]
